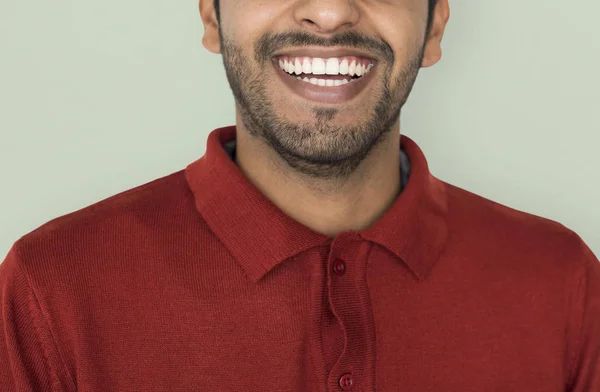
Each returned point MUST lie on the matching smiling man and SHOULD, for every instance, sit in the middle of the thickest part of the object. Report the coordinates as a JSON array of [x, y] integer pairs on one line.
[[309, 248]]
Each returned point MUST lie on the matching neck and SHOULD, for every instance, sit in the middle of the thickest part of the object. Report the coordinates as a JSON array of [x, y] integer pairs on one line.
[[325, 206]]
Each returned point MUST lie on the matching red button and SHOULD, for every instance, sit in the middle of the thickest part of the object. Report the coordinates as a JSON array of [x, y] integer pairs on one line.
[[347, 382], [339, 267]]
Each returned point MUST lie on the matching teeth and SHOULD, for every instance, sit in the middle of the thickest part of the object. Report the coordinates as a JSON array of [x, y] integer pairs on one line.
[[306, 66], [318, 66], [359, 70], [344, 67], [324, 82], [333, 66], [297, 67], [352, 68]]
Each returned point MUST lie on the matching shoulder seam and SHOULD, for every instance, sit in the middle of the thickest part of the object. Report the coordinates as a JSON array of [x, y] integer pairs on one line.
[[576, 319], [32, 308]]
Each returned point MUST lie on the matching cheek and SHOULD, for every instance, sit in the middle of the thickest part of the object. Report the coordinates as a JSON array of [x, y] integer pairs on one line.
[[246, 20], [401, 23], [406, 38]]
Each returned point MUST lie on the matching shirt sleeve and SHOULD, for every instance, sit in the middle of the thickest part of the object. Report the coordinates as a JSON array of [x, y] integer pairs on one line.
[[585, 326], [25, 354]]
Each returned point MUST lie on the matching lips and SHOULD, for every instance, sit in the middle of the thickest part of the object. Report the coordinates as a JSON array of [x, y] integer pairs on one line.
[[331, 80]]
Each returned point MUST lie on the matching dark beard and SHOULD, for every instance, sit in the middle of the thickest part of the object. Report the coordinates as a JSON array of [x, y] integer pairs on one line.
[[319, 149]]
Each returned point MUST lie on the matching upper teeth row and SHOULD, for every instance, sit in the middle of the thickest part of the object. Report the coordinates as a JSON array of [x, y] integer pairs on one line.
[[330, 66]]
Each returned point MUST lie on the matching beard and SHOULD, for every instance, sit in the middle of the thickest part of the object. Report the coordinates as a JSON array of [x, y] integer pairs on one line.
[[318, 148]]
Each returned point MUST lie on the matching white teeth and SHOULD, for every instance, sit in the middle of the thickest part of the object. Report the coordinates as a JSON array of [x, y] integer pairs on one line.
[[352, 68], [306, 67], [344, 67], [297, 67], [333, 66], [318, 66], [324, 82], [359, 69]]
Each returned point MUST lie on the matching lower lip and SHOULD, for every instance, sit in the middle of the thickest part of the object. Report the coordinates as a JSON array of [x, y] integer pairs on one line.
[[324, 94]]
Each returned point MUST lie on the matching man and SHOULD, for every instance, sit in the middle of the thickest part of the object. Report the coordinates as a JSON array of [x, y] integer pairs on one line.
[[310, 248]]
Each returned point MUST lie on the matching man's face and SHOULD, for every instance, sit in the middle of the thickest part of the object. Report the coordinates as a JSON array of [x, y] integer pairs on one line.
[[321, 82]]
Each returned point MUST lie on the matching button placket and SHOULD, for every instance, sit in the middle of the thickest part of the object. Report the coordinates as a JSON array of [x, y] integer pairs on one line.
[[349, 300]]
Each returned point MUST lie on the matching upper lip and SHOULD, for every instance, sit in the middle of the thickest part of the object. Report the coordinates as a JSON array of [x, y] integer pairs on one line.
[[325, 53]]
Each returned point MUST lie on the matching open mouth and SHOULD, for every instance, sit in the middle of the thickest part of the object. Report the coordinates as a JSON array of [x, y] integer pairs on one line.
[[326, 72], [327, 80]]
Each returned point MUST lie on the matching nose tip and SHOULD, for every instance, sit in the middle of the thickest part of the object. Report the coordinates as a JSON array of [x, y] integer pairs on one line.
[[327, 16]]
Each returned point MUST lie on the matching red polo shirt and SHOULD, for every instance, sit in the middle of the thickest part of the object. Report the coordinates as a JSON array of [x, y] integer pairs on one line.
[[197, 282]]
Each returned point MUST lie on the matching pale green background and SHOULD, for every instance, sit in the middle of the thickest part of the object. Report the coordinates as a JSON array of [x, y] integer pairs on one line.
[[97, 97]]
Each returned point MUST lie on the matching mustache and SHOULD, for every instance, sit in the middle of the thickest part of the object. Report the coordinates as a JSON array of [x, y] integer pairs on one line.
[[270, 43]]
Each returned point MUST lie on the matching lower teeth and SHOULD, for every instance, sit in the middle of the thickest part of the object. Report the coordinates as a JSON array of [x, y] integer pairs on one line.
[[325, 82]]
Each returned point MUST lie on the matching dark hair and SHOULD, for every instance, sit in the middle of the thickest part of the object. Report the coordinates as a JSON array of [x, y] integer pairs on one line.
[[432, 4]]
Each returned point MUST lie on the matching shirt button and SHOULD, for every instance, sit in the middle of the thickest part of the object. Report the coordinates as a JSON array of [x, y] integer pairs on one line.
[[339, 267], [347, 382]]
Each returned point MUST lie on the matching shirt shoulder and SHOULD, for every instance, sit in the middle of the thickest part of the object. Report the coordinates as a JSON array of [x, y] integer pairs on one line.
[[103, 227], [490, 228], [135, 200]]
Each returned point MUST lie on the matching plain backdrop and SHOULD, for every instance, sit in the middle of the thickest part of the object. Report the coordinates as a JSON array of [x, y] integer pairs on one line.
[[97, 97]]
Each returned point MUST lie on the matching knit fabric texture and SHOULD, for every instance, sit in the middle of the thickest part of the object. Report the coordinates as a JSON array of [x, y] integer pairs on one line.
[[196, 281]]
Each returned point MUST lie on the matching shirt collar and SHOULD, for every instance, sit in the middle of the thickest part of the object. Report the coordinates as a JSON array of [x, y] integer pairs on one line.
[[414, 228]]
